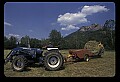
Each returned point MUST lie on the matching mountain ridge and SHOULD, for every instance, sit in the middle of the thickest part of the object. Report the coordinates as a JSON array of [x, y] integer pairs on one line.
[[92, 27], [95, 32]]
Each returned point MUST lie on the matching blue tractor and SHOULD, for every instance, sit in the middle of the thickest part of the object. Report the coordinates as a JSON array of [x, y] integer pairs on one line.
[[21, 57]]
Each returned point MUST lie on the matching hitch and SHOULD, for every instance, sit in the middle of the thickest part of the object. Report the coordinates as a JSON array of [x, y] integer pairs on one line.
[[66, 59]]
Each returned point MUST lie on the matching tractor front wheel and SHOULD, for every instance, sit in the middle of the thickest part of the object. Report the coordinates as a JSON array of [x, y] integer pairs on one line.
[[19, 63]]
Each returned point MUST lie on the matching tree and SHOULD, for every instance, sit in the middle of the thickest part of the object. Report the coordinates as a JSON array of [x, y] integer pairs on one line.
[[25, 41], [6, 42], [110, 25], [35, 43], [55, 37], [44, 43], [12, 41]]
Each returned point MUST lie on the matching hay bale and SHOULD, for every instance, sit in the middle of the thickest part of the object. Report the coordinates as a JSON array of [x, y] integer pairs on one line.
[[93, 46]]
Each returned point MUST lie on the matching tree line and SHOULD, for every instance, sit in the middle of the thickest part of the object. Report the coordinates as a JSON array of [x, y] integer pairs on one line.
[[75, 40]]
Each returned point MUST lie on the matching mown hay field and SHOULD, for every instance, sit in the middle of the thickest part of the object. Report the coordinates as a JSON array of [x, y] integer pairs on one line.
[[96, 67]]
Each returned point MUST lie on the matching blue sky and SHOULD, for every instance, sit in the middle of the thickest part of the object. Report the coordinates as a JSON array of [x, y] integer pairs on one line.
[[37, 19]]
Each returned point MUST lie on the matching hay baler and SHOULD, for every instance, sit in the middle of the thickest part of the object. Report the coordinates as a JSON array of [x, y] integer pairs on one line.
[[90, 50]]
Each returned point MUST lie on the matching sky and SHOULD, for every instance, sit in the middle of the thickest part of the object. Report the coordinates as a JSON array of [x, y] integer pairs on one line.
[[37, 19]]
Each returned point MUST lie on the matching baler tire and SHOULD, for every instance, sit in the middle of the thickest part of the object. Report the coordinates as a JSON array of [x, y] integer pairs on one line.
[[86, 58]]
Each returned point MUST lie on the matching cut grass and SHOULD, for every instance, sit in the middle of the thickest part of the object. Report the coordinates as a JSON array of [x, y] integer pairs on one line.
[[96, 67]]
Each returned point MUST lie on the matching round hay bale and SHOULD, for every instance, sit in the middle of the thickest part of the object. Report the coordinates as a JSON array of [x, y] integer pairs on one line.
[[93, 46]]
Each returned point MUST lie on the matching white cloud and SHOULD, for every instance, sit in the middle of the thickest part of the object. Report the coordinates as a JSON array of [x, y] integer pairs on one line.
[[70, 20], [66, 34], [88, 10], [8, 24], [15, 35], [69, 27]]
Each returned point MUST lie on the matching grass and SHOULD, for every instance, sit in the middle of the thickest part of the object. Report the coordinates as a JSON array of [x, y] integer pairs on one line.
[[97, 67]]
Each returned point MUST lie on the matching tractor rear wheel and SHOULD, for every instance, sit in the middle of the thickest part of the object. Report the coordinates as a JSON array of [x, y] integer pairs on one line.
[[19, 63], [53, 61]]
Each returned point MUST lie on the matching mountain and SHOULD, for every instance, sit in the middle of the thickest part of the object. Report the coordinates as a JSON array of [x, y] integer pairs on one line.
[[77, 39], [87, 31], [92, 27]]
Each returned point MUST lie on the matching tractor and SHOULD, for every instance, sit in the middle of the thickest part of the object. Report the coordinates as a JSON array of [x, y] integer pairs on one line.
[[21, 57], [52, 59]]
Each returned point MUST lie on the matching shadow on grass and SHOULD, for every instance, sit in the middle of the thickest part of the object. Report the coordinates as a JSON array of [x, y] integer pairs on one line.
[[61, 68], [41, 65], [33, 66], [80, 60], [64, 65], [95, 57], [72, 62], [26, 69]]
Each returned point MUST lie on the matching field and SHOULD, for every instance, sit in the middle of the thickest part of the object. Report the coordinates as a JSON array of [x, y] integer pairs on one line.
[[96, 67]]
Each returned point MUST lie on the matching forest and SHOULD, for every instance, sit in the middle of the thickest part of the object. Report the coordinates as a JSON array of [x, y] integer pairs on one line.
[[75, 40]]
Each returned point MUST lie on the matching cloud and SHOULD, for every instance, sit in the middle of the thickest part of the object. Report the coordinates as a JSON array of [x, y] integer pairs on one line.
[[70, 20], [69, 27], [15, 35], [88, 10], [30, 30], [53, 23], [8, 24], [66, 34]]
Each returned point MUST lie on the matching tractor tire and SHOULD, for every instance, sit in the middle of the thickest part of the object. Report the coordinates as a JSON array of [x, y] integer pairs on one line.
[[19, 63], [53, 61], [86, 58]]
